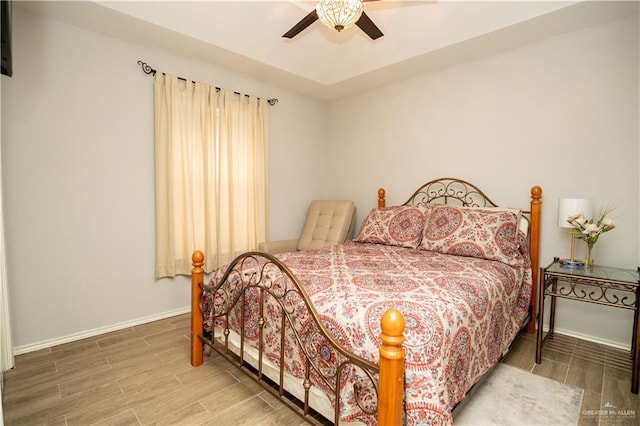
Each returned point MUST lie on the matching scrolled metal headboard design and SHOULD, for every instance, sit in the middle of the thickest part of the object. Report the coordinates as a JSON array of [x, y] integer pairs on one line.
[[449, 191]]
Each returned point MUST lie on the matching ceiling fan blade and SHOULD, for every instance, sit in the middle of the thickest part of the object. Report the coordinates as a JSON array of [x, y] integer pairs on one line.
[[366, 24], [304, 23]]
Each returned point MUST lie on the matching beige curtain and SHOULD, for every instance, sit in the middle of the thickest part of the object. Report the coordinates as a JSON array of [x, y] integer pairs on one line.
[[211, 149]]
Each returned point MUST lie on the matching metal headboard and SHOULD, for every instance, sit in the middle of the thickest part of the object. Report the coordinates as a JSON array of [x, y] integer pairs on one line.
[[450, 191]]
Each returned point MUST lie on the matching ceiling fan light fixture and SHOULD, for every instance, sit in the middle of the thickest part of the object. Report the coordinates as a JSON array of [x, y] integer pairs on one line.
[[339, 14]]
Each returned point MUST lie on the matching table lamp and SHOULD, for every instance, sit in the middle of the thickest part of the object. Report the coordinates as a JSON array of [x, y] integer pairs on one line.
[[570, 207]]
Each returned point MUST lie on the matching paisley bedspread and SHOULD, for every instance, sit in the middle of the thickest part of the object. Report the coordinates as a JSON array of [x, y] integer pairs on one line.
[[461, 314]]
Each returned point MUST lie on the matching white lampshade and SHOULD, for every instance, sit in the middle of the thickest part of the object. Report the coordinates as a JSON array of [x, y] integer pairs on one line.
[[339, 14], [571, 206]]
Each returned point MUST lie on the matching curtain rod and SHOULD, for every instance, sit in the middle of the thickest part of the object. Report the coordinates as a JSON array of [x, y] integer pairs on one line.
[[148, 70]]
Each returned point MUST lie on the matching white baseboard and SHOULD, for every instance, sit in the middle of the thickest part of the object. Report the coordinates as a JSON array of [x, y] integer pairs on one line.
[[589, 338], [97, 331]]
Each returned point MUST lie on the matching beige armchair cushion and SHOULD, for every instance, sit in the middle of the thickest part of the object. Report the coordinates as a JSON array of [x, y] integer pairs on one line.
[[328, 222]]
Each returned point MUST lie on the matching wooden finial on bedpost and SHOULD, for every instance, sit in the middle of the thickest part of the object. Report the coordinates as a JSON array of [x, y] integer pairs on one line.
[[197, 278], [381, 200], [534, 251], [391, 386]]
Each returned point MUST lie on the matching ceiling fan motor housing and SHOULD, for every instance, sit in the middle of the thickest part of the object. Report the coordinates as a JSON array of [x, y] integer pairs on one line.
[[339, 14]]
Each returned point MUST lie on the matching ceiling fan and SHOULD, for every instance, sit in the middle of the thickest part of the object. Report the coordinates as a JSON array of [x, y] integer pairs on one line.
[[339, 15]]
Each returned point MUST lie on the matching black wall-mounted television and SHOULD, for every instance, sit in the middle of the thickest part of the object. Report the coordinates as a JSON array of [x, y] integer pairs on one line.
[[5, 24]]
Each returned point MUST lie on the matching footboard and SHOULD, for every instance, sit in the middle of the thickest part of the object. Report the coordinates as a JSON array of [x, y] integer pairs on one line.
[[261, 278]]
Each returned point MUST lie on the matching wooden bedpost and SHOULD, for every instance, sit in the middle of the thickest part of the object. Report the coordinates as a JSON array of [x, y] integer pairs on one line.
[[534, 252], [197, 278], [391, 386], [381, 199]]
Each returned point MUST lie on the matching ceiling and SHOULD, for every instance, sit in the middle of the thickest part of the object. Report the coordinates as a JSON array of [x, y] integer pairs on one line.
[[246, 36]]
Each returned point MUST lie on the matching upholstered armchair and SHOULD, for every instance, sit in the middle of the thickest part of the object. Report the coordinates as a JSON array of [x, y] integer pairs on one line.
[[328, 222]]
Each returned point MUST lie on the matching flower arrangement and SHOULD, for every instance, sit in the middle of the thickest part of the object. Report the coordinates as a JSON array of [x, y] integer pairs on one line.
[[589, 229]]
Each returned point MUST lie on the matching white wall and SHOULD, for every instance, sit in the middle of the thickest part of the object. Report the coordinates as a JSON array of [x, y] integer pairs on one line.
[[77, 144], [562, 114]]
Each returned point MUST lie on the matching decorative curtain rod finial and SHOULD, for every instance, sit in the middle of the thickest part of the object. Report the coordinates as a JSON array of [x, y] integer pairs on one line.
[[147, 68]]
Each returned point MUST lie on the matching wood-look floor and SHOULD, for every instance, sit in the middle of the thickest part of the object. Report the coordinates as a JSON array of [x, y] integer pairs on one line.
[[602, 371], [142, 375]]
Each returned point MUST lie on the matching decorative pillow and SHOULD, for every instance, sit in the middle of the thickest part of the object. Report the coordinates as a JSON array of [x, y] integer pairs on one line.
[[477, 232], [395, 226], [523, 222]]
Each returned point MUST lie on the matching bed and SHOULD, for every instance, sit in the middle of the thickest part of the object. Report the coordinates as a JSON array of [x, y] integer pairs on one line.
[[393, 327]]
